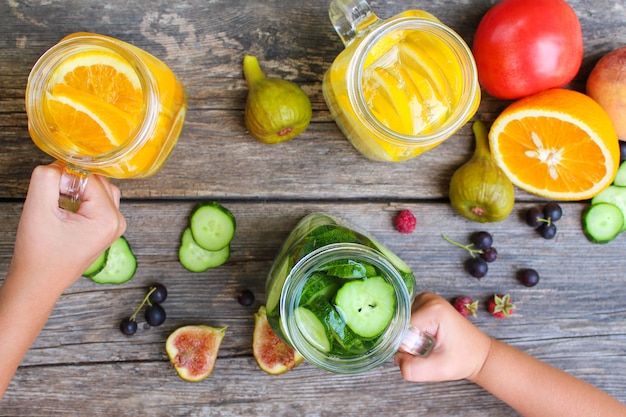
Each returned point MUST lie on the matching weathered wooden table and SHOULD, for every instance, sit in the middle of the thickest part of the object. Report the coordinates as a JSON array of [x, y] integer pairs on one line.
[[81, 365]]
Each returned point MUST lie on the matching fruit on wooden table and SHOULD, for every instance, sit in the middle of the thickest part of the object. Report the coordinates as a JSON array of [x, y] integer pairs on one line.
[[557, 144], [193, 349], [501, 306], [276, 110], [272, 354], [607, 85], [523, 47], [479, 189]]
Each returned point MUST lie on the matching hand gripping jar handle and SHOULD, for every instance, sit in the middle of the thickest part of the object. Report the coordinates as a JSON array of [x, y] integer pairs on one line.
[[71, 188], [350, 18], [417, 342]]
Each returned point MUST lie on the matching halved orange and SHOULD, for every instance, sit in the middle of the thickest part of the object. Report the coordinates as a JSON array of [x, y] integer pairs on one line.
[[94, 101], [558, 144]]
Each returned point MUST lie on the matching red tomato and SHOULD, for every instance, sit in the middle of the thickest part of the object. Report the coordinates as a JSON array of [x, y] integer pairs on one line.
[[523, 47]]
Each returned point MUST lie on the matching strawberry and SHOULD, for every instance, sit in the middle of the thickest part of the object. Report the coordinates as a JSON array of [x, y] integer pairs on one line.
[[466, 306], [501, 306]]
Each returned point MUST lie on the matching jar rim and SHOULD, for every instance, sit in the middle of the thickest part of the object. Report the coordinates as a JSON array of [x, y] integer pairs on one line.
[[457, 45], [388, 342], [44, 69]]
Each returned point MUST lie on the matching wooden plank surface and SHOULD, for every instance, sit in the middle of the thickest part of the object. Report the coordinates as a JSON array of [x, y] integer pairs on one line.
[[82, 365]]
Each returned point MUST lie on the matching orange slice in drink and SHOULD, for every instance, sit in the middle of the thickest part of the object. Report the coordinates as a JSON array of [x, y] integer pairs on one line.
[[94, 102], [557, 144]]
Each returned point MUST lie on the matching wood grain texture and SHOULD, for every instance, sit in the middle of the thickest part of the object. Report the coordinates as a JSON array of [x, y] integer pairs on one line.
[[82, 365]]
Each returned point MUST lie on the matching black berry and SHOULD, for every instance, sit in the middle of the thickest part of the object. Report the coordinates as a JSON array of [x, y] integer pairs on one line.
[[158, 293], [552, 211], [477, 267], [490, 254], [482, 240], [528, 277], [245, 298], [547, 230], [128, 326], [155, 315]]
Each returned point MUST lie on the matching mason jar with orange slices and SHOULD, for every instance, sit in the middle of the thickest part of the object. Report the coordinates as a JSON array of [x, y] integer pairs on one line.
[[401, 86], [101, 105]]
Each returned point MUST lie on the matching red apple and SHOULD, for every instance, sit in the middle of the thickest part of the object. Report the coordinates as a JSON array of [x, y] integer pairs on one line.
[[607, 85]]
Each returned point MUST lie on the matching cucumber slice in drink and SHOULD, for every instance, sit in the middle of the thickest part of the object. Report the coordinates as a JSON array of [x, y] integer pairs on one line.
[[318, 285], [367, 306], [212, 226], [347, 269], [312, 329], [401, 266]]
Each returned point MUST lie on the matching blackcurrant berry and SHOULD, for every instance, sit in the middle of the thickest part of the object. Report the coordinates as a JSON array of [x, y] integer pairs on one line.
[[245, 298], [547, 230], [477, 267], [490, 254], [482, 240], [158, 293], [528, 277], [622, 150], [534, 217], [155, 315], [128, 326], [552, 211]]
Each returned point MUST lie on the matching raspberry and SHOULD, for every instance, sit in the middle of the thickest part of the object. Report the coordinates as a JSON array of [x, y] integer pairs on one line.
[[466, 306], [405, 221], [501, 306]]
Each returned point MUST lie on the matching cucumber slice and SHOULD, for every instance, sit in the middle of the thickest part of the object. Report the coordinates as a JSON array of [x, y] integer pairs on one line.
[[120, 266], [602, 222], [212, 226], [348, 269], [620, 177], [312, 329], [97, 265], [367, 306], [318, 285], [405, 271], [196, 259], [615, 195]]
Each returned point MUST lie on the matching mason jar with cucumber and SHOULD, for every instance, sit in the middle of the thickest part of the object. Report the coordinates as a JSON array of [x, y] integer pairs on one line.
[[340, 298]]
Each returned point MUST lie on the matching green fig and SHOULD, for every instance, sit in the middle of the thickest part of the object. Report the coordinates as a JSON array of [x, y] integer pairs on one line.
[[276, 110], [479, 189]]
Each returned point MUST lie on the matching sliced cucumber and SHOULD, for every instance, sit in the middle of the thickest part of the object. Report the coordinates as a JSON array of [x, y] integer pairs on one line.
[[405, 271], [312, 329], [602, 222], [615, 195], [120, 266], [196, 259], [367, 306], [318, 285], [212, 226], [620, 177], [347, 268], [97, 265]]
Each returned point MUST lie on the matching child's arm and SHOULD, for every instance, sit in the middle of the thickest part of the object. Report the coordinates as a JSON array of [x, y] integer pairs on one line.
[[53, 248], [528, 385]]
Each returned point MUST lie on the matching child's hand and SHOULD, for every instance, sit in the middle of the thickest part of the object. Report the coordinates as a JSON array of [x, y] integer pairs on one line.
[[460, 350], [53, 247]]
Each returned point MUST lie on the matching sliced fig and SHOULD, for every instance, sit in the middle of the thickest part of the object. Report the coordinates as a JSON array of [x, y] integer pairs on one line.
[[272, 354], [193, 349]]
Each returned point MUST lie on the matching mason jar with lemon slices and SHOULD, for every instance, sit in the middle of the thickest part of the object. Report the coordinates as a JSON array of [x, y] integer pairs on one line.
[[401, 86], [100, 105]]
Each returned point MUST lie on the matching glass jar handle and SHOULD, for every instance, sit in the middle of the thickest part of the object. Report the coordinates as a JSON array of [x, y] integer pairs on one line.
[[71, 188], [417, 342], [351, 18]]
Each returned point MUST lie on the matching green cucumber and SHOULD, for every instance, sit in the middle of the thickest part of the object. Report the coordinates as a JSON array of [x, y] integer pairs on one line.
[[615, 195], [212, 226], [602, 222], [367, 306], [97, 265], [318, 285], [348, 269], [196, 259], [620, 177], [313, 329], [120, 266]]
